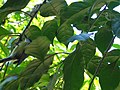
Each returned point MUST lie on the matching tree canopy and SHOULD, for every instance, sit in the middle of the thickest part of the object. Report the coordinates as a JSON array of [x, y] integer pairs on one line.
[[51, 45]]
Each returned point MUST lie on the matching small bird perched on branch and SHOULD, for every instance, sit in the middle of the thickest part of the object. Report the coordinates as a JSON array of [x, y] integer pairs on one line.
[[18, 54]]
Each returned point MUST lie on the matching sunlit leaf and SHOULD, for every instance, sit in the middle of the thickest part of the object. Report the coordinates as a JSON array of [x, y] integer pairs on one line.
[[5, 49], [3, 32], [116, 46]]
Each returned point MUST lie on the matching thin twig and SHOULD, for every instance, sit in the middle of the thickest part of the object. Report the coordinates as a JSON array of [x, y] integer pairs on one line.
[[21, 36], [101, 61], [98, 17]]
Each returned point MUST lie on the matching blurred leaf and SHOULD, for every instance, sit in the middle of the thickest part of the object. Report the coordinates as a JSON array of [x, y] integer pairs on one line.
[[113, 4], [116, 26], [49, 29], [38, 47], [12, 85], [9, 79], [33, 32], [73, 71], [52, 82], [33, 72], [3, 32], [52, 8], [80, 37], [64, 33], [5, 49], [116, 46], [110, 76], [11, 6], [103, 38], [44, 80]]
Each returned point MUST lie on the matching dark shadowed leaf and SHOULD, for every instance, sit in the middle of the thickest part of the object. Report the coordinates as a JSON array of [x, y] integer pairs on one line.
[[73, 71], [92, 65], [88, 49], [49, 29], [110, 77], [9, 79], [38, 47], [52, 8], [10, 6], [103, 38], [116, 26], [12, 85]]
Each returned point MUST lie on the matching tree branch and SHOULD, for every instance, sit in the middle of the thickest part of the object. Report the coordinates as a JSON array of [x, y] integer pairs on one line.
[[23, 33], [101, 61]]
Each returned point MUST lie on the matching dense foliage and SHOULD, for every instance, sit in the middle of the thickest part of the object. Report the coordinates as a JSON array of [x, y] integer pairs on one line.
[[56, 46]]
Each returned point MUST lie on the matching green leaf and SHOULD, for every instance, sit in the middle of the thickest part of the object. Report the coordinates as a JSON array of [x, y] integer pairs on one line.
[[116, 26], [113, 4], [49, 29], [9, 79], [3, 32], [88, 49], [38, 47], [92, 65], [5, 49], [10, 6], [64, 33], [112, 56], [116, 46], [110, 77], [52, 8], [103, 38], [52, 82], [73, 71], [33, 32], [30, 75], [33, 72], [12, 85]]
